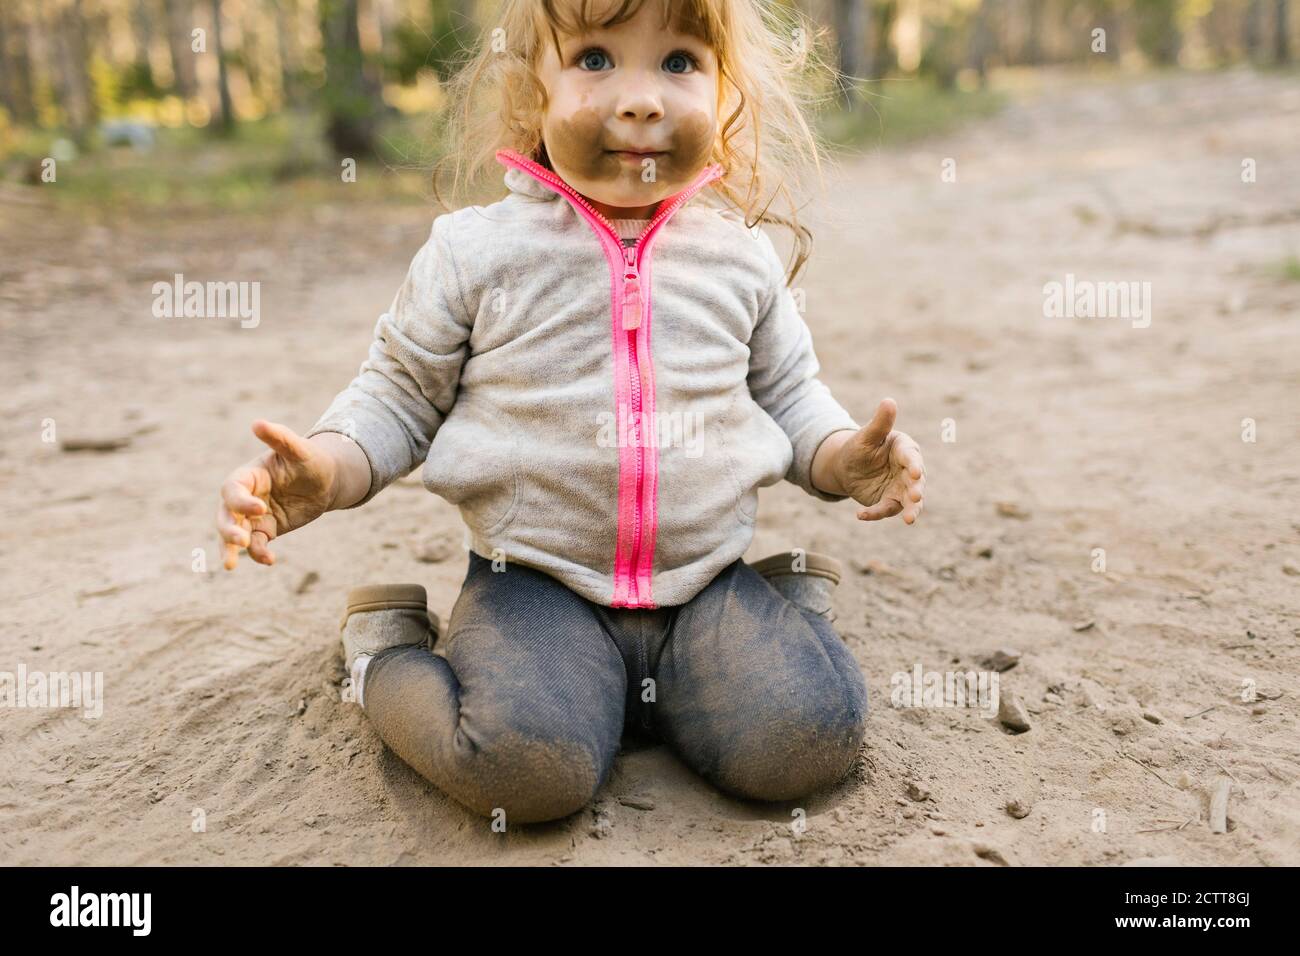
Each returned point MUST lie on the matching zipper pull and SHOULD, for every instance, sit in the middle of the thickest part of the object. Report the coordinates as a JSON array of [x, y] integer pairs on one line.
[[631, 292]]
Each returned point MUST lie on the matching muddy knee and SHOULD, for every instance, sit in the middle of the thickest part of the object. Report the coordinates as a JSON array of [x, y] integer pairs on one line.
[[529, 780], [532, 757], [794, 751]]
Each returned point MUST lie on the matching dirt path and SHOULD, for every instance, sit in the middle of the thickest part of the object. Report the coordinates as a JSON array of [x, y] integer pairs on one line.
[[221, 691]]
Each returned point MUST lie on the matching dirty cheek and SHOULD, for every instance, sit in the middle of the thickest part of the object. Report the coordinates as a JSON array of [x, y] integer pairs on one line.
[[577, 146], [693, 142]]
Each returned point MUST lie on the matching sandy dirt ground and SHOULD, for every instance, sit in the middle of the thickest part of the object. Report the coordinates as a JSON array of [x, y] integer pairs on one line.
[[222, 691]]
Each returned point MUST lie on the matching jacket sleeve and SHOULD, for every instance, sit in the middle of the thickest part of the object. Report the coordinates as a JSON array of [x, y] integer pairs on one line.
[[407, 385], [783, 377]]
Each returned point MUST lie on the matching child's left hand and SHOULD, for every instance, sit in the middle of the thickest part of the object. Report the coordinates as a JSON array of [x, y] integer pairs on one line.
[[882, 468]]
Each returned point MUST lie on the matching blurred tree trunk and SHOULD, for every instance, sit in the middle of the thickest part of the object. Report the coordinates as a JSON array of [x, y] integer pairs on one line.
[[884, 59], [351, 102], [225, 113], [179, 17], [15, 66], [1110, 20], [249, 55], [981, 42], [142, 36], [1033, 51], [851, 40], [1282, 32], [72, 69], [1253, 32], [1158, 32], [290, 49]]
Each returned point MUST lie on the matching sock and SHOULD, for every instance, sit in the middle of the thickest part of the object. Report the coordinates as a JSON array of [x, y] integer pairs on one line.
[[359, 677]]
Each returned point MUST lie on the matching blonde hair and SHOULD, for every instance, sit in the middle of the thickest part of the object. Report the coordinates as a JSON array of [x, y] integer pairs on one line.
[[765, 144]]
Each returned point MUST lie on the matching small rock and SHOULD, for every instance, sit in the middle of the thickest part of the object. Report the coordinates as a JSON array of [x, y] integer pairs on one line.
[[1151, 716], [875, 567], [433, 550], [1018, 808], [1053, 698], [1003, 659], [637, 802], [1011, 713], [991, 853], [1084, 625], [908, 813], [946, 573], [917, 792], [602, 827], [1291, 568], [99, 445], [938, 831], [1259, 710], [1092, 695], [1009, 509], [982, 550], [1185, 781], [308, 579]]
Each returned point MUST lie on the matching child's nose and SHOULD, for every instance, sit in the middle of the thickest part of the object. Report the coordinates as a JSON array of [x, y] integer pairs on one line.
[[639, 99]]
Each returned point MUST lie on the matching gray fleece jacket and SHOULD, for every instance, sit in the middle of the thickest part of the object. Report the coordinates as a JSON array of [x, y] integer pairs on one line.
[[603, 413]]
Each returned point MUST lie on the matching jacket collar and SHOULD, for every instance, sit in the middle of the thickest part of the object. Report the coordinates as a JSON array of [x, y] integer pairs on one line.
[[520, 181]]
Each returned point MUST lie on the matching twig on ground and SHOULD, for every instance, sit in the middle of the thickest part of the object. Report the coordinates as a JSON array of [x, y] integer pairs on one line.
[[1147, 769]]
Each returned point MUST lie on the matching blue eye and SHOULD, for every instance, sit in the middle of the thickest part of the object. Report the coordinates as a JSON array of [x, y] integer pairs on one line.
[[594, 59], [681, 56], [584, 58]]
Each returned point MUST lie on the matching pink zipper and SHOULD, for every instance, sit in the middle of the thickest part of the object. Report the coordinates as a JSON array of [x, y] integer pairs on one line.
[[631, 322]]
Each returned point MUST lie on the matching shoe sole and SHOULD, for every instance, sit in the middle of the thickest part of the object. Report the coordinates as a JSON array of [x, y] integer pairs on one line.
[[818, 565]]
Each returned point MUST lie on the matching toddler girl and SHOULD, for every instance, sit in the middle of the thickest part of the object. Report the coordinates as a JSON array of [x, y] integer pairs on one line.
[[601, 370]]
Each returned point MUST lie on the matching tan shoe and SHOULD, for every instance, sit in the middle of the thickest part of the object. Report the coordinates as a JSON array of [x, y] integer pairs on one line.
[[380, 616], [805, 578]]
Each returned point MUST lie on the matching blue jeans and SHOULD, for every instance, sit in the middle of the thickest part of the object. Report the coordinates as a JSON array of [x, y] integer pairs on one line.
[[523, 702]]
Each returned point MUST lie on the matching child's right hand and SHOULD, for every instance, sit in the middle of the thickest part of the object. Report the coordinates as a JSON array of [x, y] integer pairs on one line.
[[284, 488]]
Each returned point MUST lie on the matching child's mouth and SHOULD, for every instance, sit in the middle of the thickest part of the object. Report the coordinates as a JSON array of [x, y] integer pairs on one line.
[[634, 155]]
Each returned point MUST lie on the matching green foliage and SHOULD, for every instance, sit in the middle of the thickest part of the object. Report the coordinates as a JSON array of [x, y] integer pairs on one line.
[[263, 166], [136, 82], [1159, 36], [440, 49], [904, 110], [1288, 269]]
